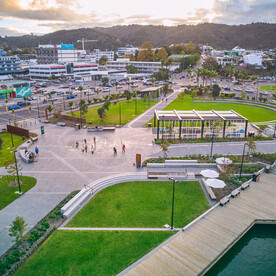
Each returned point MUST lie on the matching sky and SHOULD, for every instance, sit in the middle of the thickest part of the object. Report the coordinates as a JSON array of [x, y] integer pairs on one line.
[[18, 17]]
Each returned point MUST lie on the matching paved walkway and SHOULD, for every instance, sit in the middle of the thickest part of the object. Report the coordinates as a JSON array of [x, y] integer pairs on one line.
[[62, 169], [115, 229], [194, 250]]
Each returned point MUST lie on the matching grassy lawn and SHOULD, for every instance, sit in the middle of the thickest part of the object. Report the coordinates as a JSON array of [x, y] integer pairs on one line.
[[5, 153], [252, 113], [7, 192], [127, 112], [143, 204], [90, 252], [268, 87]]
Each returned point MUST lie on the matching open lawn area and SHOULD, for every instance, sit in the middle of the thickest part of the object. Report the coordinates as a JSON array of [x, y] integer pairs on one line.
[[5, 153], [142, 204], [268, 87], [91, 252], [113, 114], [252, 113], [7, 192]]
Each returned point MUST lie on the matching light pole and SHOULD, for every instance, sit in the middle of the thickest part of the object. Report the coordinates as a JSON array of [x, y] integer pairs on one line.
[[212, 143], [12, 140], [120, 113], [14, 151], [163, 128], [38, 111], [245, 144], [174, 181]]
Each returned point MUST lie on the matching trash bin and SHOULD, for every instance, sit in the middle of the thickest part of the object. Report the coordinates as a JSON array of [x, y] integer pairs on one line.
[[77, 126], [149, 124], [256, 177], [267, 169]]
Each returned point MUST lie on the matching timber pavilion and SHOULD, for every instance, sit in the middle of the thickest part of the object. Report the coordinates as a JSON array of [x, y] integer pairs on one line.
[[199, 124]]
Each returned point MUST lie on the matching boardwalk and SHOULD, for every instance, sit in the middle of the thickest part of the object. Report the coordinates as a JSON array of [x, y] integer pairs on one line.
[[194, 250]]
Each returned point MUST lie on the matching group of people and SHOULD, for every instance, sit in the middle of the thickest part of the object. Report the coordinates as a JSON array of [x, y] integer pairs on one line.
[[85, 147], [30, 155], [123, 149]]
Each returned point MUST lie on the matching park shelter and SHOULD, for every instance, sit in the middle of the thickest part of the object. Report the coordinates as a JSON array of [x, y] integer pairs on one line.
[[150, 90], [192, 124]]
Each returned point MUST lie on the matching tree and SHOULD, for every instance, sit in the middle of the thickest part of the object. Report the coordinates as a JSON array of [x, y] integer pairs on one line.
[[80, 88], [106, 105], [70, 104], [165, 147], [83, 107], [243, 95], [103, 60], [145, 98], [251, 145], [215, 90], [146, 52], [102, 113], [128, 95], [53, 77], [210, 64], [50, 108], [17, 228], [193, 94], [177, 49], [131, 69], [105, 81], [261, 130], [166, 88], [162, 54], [190, 46]]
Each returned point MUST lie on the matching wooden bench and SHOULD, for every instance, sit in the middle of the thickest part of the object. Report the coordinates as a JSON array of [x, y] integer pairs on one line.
[[235, 193], [245, 185], [93, 129], [108, 128], [209, 190], [224, 201], [34, 139]]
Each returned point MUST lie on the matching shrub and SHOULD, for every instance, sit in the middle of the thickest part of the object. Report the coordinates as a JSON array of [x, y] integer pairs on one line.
[[52, 216]]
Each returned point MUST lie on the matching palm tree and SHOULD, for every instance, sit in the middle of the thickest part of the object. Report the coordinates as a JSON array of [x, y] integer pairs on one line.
[[80, 88], [198, 74]]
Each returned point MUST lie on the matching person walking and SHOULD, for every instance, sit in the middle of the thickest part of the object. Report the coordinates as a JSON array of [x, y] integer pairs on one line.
[[77, 144], [85, 148], [92, 149], [94, 140], [124, 148], [36, 150], [115, 151], [85, 141]]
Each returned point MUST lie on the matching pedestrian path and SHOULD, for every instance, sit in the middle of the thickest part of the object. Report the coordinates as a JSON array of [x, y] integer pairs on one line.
[[141, 120], [115, 229]]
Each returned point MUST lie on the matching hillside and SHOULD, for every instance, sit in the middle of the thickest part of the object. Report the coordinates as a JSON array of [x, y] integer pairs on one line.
[[255, 36]]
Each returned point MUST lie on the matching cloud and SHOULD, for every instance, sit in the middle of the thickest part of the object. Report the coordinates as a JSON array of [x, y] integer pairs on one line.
[[10, 32], [244, 11]]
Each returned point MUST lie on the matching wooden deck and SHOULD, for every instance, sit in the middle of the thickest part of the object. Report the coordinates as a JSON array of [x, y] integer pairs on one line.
[[193, 251]]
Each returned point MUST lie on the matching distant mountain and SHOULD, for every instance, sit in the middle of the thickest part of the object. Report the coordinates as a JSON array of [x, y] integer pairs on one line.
[[255, 36]]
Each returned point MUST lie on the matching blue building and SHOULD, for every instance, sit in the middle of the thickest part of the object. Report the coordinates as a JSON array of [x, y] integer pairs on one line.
[[9, 64]]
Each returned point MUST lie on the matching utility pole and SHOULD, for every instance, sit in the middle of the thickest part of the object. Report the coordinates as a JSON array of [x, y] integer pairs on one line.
[[85, 40]]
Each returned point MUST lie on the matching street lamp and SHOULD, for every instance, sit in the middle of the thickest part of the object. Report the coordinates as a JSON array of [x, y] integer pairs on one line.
[[38, 111], [163, 128], [14, 151], [212, 143], [174, 181], [245, 144]]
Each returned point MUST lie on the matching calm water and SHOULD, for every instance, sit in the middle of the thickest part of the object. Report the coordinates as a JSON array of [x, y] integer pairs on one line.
[[254, 254]]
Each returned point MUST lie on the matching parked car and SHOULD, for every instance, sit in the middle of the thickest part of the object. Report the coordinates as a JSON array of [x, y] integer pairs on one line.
[[11, 107], [23, 103], [60, 93], [227, 88], [134, 85], [108, 85], [237, 89], [70, 97], [106, 89], [52, 99], [264, 93], [119, 86], [90, 93], [249, 90]]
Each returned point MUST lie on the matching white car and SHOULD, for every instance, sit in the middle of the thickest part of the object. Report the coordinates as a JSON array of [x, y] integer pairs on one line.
[[134, 85], [90, 93], [119, 86], [237, 89], [249, 90], [264, 93], [106, 89]]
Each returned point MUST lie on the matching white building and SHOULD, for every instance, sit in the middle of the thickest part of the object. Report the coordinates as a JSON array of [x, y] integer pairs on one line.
[[141, 66], [225, 60], [206, 49], [44, 71], [253, 59], [9, 64], [107, 53], [128, 50]]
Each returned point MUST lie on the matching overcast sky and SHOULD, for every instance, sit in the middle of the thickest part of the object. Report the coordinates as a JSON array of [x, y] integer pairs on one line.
[[43, 16]]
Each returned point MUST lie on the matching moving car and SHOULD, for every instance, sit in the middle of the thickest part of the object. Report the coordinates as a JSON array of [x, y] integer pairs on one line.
[[11, 107]]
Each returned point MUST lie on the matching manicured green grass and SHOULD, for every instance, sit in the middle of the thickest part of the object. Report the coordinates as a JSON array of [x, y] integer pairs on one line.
[[143, 204], [7, 192], [268, 87], [90, 252], [5, 153], [252, 113], [113, 114]]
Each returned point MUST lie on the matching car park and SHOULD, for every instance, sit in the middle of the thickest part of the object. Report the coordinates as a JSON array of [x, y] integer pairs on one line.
[[70, 97], [11, 107]]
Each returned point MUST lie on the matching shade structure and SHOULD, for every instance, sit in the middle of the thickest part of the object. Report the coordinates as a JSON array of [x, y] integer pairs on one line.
[[209, 173], [224, 160], [215, 183]]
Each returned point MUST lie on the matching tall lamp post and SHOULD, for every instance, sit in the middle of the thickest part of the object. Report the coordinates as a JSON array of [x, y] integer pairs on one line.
[[163, 128], [245, 144], [14, 151], [38, 111], [212, 143], [174, 181]]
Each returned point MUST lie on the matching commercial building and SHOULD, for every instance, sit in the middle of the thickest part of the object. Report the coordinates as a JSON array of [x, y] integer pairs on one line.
[[51, 54], [141, 66], [107, 53], [128, 50], [199, 124], [9, 64], [253, 59], [14, 89], [47, 70]]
